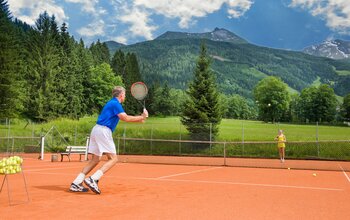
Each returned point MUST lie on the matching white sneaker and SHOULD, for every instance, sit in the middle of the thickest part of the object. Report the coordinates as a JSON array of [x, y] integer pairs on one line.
[[92, 184]]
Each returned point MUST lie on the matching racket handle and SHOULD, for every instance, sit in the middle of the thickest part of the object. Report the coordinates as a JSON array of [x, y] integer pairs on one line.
[[145, 112]]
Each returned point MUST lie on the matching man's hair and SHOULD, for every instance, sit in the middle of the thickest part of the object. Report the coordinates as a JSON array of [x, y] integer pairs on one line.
[[117, 91]]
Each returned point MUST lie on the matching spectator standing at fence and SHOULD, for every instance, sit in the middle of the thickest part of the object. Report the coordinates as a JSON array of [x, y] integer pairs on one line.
[[281, 144], [101, 141]]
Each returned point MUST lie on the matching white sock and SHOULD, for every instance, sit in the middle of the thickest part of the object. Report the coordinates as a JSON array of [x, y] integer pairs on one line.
[[97, 175], [79, 179]]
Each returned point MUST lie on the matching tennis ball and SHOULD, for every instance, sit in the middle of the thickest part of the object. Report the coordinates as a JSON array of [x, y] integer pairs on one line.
[[18, 169], [314, 174], [288, 168]]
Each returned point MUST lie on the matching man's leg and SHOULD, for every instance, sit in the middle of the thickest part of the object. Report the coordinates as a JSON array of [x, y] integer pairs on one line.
[[76, 185], [92, 181]]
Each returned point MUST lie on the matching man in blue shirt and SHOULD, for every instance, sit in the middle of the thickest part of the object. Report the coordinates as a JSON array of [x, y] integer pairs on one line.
[[101, 141]]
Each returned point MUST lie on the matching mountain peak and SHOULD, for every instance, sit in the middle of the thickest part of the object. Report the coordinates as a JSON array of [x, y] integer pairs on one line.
[[334, 49], [218, 34]]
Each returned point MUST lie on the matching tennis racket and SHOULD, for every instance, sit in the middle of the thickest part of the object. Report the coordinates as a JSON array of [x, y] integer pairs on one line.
[[139, 91]]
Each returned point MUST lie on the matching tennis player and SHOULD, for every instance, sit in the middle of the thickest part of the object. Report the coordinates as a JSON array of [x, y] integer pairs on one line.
[[101, 141], [281, 140]]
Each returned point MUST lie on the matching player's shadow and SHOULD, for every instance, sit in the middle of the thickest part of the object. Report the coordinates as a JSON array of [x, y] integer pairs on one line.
[[53, 188], [59, 188]]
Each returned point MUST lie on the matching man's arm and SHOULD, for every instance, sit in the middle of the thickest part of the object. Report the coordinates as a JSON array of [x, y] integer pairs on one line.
[[129, 118]]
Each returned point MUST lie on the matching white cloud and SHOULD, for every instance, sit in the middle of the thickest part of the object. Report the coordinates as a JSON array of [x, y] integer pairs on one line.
[[29, 10], [94, 29], [89, 6], [238, 8], [335, 12], [139, 21], [138, 13], [186, 10]]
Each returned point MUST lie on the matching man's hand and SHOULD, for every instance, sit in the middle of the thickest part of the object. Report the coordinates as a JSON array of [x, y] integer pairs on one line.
[[145, 113]]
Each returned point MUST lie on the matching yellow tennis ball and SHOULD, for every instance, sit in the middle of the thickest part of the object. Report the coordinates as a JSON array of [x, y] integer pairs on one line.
[[288, 168], [314, 174]]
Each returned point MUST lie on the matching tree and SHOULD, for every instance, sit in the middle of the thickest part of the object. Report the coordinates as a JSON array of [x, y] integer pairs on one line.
[[43, 62], [317, 104], [272, 97], [163, 102], [201, 113], [325, 103], [238, 108], [69, 78], [100, 53], [103, 81], [346, 107], [11, 83], [118, 63], [130, 76]]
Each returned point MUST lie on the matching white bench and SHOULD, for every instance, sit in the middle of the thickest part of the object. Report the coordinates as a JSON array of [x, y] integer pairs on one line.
[[81, 150]]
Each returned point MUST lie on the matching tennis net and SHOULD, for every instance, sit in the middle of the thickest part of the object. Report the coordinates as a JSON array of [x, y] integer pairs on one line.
[[316, 155]]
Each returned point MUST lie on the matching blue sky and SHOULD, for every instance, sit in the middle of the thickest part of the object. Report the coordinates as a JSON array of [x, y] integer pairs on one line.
[[285, 24]]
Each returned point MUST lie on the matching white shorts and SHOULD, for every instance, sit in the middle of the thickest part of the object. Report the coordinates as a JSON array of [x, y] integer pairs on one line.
[[101, 141]]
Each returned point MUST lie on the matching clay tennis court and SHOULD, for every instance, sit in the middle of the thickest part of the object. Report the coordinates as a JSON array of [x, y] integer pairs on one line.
[[159, 191]]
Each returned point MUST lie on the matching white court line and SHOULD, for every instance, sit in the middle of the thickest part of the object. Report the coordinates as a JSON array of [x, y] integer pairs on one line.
[[346, 175], [57, 168], [196, 171], [244, 184], [206, 182]]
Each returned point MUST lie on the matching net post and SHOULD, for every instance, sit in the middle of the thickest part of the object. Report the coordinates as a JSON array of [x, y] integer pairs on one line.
[[224, 153], [42, 144]]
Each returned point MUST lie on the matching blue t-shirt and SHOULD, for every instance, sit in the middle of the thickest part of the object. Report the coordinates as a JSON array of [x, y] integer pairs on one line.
[[109, 115]]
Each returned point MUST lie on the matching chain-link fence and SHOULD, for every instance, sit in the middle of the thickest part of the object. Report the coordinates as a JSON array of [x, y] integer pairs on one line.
[[236, 139]]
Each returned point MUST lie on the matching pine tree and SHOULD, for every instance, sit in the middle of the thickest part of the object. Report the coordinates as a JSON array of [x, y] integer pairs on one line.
[[163, 102], [85, 61], [43, 57], [70, 79], [131, 75], [118, 63], [201, 112], [11, 87], [100, 53]]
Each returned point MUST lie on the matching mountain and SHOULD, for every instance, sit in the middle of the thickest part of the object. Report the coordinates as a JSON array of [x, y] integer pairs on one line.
[[335, 49], [219, 34], [113, 46], [237, 64]]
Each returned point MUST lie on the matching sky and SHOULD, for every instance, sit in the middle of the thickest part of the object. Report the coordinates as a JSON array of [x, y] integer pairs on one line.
[[283, 24]]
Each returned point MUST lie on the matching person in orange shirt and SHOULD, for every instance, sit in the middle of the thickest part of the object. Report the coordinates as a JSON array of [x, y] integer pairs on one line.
[[281, 144]]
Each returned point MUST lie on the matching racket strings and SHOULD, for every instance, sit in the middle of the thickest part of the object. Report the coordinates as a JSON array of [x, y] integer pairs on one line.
[[139, 91]]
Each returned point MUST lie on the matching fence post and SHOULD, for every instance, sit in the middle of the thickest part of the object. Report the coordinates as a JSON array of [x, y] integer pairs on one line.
[[151, 139], [180, 141], [242, 138], [75, 135], [42, 143], [124, 136], [317, 144], [224, 153], [211, 124]]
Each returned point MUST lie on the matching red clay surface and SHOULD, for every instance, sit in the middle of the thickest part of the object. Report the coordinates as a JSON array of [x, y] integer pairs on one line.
[[158, 191]]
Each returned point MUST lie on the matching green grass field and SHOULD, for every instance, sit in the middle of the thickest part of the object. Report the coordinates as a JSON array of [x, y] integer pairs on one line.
[[62, 132], [171, 128]]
